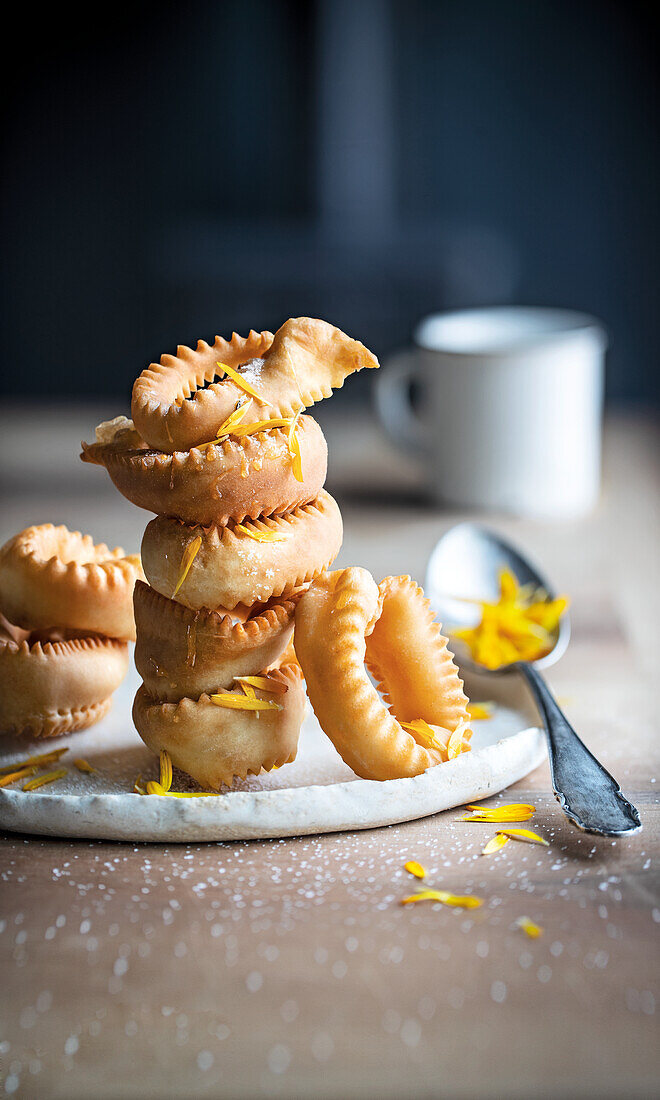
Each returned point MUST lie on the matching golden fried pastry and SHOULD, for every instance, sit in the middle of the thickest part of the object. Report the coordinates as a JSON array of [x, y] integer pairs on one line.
[[229, 480], [407, 654], [53, 577], [344, 618], [180, 652], [214, 744], [289, 655], [48, 688], [242, 564], [219, 450], [177, 403]]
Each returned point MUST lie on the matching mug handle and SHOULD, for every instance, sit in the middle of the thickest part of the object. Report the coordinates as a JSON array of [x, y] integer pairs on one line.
[[393, 405]]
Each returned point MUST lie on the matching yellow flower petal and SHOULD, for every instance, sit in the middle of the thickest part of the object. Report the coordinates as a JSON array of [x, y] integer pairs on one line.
[[415, 869], [508, 585], [187, 558], [242, 382], [228, 425], [83, 766], [235, 418], [455, 900], [456, 744], [262, 426], [189, 794], [165, 770], [41, 780], [294, 449], [154, 787], [513, 812], [40, 760], [519, 626], [264, 683], [257, 535], [480, 711], [425, 733], [13, 777], [494, 845], [234, 701], [524, 834], [514, 807], [528, 926]]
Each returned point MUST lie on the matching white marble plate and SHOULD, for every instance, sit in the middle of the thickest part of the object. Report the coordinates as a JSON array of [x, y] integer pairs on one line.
[[318, 793]]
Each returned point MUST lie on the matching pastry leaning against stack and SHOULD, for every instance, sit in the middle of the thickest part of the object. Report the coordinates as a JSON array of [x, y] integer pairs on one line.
[[219, 450]]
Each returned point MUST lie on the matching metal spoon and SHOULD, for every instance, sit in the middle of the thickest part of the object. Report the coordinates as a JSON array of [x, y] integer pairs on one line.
[[466, 563]]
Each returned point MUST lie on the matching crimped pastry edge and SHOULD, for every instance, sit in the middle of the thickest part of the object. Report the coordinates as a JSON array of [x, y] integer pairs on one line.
[[40, 589], [262, 557], [182, 712]]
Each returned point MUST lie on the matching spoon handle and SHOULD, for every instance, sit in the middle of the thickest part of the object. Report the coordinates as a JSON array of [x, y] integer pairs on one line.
[[586, 792]]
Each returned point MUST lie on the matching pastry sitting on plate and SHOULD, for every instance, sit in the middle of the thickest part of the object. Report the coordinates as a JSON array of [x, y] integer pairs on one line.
[[66, 616], [220, 450], [238, 553]]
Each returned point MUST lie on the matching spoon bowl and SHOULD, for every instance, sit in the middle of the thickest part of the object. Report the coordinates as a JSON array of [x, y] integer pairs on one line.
[[463, 570]]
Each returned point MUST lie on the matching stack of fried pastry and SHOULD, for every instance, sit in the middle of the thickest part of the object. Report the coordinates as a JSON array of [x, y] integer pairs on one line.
[[66, 615], [219, 450]]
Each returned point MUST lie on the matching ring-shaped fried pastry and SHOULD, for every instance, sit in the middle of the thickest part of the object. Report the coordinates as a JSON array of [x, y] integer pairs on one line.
[[48, 688], [215, 744], [53, 577], [242, 564], [180, 652], [344, 619], [177, 403], [234, 479]]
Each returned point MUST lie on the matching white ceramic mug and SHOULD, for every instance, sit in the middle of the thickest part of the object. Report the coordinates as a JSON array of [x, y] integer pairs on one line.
[[510, 410]]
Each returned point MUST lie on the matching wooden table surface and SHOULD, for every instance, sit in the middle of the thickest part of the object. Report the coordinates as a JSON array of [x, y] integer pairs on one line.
[[289, 968]]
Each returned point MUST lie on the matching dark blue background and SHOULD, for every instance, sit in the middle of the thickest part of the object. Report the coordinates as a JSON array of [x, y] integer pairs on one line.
[[173, 171]]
